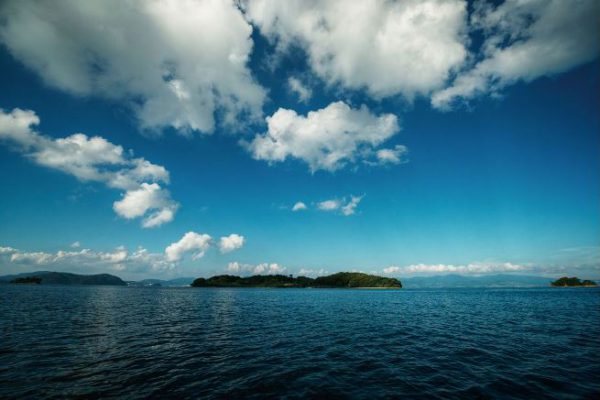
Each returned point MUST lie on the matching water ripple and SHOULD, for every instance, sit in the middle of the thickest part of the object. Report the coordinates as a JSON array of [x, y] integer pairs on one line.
[[111, 342]]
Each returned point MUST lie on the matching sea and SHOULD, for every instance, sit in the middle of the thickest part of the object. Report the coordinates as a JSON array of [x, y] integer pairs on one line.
[[210, 343]]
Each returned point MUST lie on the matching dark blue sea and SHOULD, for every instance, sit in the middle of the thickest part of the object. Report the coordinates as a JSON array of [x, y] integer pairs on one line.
[[124, 342]]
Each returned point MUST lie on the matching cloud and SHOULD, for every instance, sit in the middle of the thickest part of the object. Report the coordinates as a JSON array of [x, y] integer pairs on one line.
[[190, 242], [473, 268], [76, 245], [173, 63], [312, 272], [326, 139], [302, 91], [138, 202], [329, 205], [258, 269], [345, 206], [231, 243], [394, 155], [299, 206], [525, 41], [385, 47], [86, 261], [350, 207], [95, 159]]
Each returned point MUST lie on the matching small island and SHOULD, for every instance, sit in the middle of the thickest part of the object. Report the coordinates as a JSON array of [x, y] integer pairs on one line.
[[338, 280], [573, 282]]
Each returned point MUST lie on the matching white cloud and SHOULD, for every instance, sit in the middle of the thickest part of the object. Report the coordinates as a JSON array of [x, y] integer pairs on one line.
[[173, 63], [329, 205], [299, 206], [87, 261], [149, 196], [7, 250], [76, 245], [394, 155], [302, 91], [325, 139], [231, 243], [473, 268], [387, 47], [345, 206], [525, 40], [312, 272], [350, 207], [190, 242], [98, 160], [258, 269]]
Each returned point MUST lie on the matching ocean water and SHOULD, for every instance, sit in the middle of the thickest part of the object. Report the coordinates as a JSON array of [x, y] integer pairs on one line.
[[107, 342]]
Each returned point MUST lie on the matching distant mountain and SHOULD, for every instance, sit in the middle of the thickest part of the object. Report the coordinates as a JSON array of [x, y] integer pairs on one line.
[[160, 283], [66, 278], [461, 281]]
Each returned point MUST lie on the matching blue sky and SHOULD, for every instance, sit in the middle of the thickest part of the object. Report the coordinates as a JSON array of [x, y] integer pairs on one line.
[[415, 148]]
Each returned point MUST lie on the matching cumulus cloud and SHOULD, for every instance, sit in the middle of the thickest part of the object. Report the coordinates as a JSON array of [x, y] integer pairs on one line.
[[258, 269], [149, 196], [95, 159], [473, 268], [301, 90], [231, 243], [299, 206], [76, 245], [386, 47], [525, 40], [191, 242], [326, 139], [173, 63]]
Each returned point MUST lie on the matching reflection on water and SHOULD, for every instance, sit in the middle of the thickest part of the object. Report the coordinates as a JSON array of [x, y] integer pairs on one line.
[[139, 342]]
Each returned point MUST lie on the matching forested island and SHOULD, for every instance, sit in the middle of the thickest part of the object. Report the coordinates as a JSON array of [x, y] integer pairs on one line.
[[573, 282], [338, 280]]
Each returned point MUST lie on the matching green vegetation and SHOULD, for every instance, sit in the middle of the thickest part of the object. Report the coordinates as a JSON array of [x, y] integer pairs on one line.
[[565, 281], [62, 278], [29, 280], [339, 280]]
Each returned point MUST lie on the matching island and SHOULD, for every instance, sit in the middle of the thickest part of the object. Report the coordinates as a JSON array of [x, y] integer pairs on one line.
[[338, 280], [63, 278], [573, 282]]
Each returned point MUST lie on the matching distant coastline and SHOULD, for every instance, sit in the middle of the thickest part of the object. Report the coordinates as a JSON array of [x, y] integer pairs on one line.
[[354, 280]]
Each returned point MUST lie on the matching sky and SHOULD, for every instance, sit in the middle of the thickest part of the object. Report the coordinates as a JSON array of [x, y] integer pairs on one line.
[[159, 139]]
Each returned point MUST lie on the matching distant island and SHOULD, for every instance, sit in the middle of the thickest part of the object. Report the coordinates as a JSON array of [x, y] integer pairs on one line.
[[573, 282], [62, 278], [338, 280]]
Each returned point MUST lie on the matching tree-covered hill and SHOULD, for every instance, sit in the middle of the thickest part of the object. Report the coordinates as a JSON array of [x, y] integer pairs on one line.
[[572, 282], [339, 280]]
